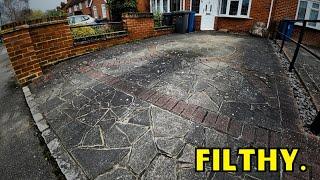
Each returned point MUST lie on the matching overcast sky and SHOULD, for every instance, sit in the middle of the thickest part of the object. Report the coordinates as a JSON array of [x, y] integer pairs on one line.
[[44, 4]]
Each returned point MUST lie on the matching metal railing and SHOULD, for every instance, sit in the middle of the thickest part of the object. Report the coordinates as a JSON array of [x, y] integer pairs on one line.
[[162, 23], [96, 31], [299, 42], [315, 126]]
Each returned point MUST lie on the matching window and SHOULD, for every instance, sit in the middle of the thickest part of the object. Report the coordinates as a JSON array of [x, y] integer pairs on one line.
[[195, 5], [75, 8], [158, 6], [309, 10], [86, 3], [164, 5], [302, 10], [70, 10], [245, 7], [95, 12], [176, 5], [85, 18], [104, 10], [235, 8], [80, 6]]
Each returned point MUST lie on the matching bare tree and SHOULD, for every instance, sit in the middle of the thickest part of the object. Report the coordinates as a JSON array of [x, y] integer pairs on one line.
[[14, 10]]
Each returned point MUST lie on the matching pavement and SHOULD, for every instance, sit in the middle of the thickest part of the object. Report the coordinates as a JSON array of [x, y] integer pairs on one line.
[[139, 110], [22, 155], [307, 67]]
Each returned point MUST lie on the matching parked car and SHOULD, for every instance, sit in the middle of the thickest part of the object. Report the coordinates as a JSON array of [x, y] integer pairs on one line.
[[81, 20]]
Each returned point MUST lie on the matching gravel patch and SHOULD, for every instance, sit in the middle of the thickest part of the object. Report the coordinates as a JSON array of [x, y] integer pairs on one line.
[[307, 110]]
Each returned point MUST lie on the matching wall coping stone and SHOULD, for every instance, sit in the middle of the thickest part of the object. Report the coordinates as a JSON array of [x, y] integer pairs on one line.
[[164, 28], [113, 35], [26, 26], [137, 15]]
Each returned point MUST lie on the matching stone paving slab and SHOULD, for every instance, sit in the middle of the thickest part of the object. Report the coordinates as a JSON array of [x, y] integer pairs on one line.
[[134, 110]]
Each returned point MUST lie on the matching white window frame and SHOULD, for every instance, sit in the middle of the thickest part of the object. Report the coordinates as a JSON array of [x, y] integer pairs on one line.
[[239, 9], [86, 3], [182, 6], [308, 12], [104, 10], [80, 6], [95, 12]]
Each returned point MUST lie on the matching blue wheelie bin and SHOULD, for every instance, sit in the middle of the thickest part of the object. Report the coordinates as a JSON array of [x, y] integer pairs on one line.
[[191, 21], [286, 28]]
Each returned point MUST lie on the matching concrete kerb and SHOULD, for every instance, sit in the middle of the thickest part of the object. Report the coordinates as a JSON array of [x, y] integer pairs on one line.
[[67, 165]]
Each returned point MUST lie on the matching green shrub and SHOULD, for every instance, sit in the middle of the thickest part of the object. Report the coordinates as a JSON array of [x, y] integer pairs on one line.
[[83, 32], [157, 17], [90, 31]]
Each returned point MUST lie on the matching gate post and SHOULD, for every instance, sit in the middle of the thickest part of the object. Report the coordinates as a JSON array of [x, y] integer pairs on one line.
[[22, 54]]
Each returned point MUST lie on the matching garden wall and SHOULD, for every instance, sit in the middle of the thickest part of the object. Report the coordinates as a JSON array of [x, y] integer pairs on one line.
[[34, 47]]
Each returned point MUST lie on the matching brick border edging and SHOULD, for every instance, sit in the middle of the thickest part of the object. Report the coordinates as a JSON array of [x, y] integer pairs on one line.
[[67, 165], [253, 135]]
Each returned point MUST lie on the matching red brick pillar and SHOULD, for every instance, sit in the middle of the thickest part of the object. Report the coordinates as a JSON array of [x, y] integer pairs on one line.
[[139, 25], [22, 54]]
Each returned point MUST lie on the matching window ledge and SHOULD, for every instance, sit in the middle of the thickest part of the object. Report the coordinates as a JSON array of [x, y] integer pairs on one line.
[[236, 17], [310, 27]]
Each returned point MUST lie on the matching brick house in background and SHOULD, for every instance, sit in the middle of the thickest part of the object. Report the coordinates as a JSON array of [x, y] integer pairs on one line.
[[240, 15], [97, 8]]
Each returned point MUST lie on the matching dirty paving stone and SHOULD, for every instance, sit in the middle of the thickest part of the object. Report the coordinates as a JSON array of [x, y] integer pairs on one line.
[[170, 146], [125, 137], [161, 168], [119, 173], [143, 152], [115, 138], [132, 131], [96, 162]]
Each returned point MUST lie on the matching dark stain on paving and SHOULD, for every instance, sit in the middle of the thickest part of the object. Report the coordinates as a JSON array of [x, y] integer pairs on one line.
[[109, 131]]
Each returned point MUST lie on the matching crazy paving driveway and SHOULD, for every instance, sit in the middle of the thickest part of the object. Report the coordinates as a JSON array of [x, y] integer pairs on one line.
[[138, 110]]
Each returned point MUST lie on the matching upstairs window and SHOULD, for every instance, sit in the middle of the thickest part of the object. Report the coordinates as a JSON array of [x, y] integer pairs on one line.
[[309, 10], [235, 8]]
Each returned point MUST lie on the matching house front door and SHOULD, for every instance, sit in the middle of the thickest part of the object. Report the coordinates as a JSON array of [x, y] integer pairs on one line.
[[208, 11]]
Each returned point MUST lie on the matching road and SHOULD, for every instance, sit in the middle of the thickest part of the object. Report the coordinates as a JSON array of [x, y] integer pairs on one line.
[[22, 155]]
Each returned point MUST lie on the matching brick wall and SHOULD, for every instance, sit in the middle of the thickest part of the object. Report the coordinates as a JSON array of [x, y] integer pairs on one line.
[[197, 23], [259, 13], [284, 9], [187, 5], [234, 24], [32, 48], [22, 55], [52, 42], [140, 26], [311, 36]]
